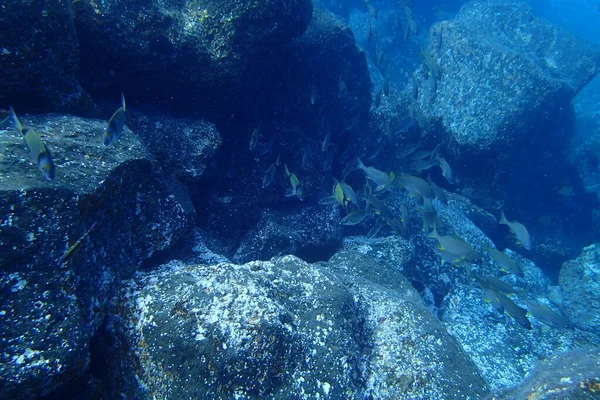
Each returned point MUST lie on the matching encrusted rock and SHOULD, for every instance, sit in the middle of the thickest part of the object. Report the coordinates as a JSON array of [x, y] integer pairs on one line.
[[54, 297]]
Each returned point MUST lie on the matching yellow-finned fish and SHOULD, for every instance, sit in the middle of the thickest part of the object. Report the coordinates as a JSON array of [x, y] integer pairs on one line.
[[114, 128], [39, 152], [75, 245], [518, 229]]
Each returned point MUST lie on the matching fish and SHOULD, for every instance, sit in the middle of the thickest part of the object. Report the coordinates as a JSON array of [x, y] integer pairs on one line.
[[254, 138], [314, 96], [446, 170], [380, 178], [397, 226], [438, 192], [338, 194], [38, 150], [379, 207], [270, 174], [518, 229], [420, 155], [4, 115], [375, 229], [566, 191], [421, 165], [505, 262], [75, 245], [455, 245], [115, 125], [354, 218], [349, 194], [415, 186], [350, 166], [296, 189], [326, 142], [514, 311], [432, 65], [408, 149], [546, 315], [497, 284], [328, 201]]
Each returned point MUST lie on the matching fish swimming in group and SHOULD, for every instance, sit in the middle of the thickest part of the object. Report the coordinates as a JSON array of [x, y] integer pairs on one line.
[[38, 150], [116, 123], [270, 174], [354, 218], [455, 245], [518, 229], [517, 313], [446, 170], [546, 315], [415, 186], [380, 178], [296, 189], [505, 262], [254, 138]]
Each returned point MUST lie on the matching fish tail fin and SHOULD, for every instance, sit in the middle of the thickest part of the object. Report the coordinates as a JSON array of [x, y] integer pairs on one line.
[[359, 164], [123, 102], [16, 119], [502, 218], [392, 176], [433, 234]]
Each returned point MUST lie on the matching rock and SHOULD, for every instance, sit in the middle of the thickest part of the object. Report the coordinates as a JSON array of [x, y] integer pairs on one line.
[[39, 57], [183, 147], [313, 233], [569, 375], [276, 329], [579, 281], [503, 74], [189, 54], [503, 350], [52, 303]]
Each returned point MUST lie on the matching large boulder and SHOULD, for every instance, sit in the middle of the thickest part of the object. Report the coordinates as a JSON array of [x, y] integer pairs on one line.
[[185, 53], [579, 280], [39, 57], [501, 74], [279, 328], [66, 244]]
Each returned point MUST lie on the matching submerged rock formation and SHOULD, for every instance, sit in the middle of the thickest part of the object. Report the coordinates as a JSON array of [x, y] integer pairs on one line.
[[55, 279], [278, 329]]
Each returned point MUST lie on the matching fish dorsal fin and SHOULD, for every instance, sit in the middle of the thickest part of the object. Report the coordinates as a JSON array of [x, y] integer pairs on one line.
[[123, 102]]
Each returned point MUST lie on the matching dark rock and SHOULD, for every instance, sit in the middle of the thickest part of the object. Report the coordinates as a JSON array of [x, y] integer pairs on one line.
[[579, 281], [276, 329], [181, 146], [53, 304], [313, 233], [524, 64], [39, 57], [573, 375], [191, 54]]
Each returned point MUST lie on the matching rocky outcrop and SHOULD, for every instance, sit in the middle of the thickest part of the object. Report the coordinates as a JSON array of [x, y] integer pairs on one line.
[[313, 234], [189, 53], [39, 57], [579, 281], [496, 73], [66, 244], [279, 328], [182, 146]]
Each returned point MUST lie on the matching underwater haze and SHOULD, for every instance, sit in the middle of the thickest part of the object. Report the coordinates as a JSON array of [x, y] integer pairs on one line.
[[296, 199]]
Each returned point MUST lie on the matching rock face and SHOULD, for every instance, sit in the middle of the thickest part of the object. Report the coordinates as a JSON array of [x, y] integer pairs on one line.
[[500, 73], [53, 301], [181, 52], [569, 375], [280, 329], [39, 57], [579, 280], [313, 234], [182, 146]]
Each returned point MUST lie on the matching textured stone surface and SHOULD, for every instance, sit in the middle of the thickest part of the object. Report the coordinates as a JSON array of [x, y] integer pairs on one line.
[[282, 329], [51, 305], [503, 71], [39, 57]]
